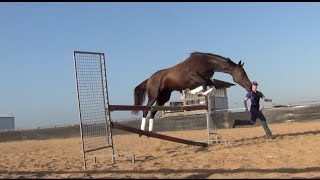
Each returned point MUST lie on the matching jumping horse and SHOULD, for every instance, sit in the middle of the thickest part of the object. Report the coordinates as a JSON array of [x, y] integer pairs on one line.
[[195, 71]]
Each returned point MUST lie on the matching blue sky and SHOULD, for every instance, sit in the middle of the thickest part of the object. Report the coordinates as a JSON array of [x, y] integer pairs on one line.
[[279, 43]]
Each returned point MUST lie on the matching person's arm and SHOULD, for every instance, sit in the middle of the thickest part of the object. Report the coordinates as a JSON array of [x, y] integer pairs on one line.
[[245, 103], [246, 99], [265, 99]]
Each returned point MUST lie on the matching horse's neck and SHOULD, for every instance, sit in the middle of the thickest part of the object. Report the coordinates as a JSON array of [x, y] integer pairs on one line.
[[223, 67]]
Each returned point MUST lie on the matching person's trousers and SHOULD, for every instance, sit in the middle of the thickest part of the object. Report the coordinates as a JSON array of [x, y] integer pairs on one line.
[[255, 113]]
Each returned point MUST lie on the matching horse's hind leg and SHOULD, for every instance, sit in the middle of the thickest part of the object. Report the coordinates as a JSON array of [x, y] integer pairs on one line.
[[161, 100], [145, 113]]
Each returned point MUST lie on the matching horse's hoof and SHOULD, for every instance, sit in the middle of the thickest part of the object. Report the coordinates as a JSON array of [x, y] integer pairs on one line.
[[149, 132]]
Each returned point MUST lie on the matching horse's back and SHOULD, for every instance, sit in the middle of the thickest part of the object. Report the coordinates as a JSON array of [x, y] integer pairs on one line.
[[180, 76]]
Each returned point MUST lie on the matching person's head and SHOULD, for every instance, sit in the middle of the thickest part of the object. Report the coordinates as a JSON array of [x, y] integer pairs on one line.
[[254, 86]]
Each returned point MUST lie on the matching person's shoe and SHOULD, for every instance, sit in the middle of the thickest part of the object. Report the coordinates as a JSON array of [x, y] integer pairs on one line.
[[232, 124]]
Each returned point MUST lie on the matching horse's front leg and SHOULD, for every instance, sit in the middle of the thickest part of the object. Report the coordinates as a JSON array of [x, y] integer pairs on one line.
[[211, 82], [203, 87]]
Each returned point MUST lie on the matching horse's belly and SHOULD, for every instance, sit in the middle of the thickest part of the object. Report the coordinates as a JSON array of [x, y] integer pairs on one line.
[[181, 84]]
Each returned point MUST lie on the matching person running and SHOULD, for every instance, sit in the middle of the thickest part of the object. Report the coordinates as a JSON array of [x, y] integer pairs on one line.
[[254, 95]]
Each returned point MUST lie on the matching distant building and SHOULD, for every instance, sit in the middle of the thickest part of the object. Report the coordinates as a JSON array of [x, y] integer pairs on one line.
[[6, 122]]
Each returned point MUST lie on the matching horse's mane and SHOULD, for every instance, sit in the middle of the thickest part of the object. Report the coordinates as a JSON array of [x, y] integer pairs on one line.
[[229, 61]]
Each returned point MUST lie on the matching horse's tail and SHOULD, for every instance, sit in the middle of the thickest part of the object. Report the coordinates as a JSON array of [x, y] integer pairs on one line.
[[139, 94]]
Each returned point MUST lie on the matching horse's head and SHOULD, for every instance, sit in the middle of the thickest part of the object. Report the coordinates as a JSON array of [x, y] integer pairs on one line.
[[240, 76]]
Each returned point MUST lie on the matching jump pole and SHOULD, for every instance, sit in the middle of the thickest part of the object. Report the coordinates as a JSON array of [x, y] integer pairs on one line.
[[153, 134], [156, 135]]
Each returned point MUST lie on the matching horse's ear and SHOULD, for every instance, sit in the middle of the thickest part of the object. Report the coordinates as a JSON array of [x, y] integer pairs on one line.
[[239, 64], [242, 64]]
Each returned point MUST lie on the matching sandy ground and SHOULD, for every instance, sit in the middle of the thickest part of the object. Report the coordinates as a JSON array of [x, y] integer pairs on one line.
[[294, 153]]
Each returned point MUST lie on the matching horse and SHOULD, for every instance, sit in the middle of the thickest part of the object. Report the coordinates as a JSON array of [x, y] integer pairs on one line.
[[193, 72]]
